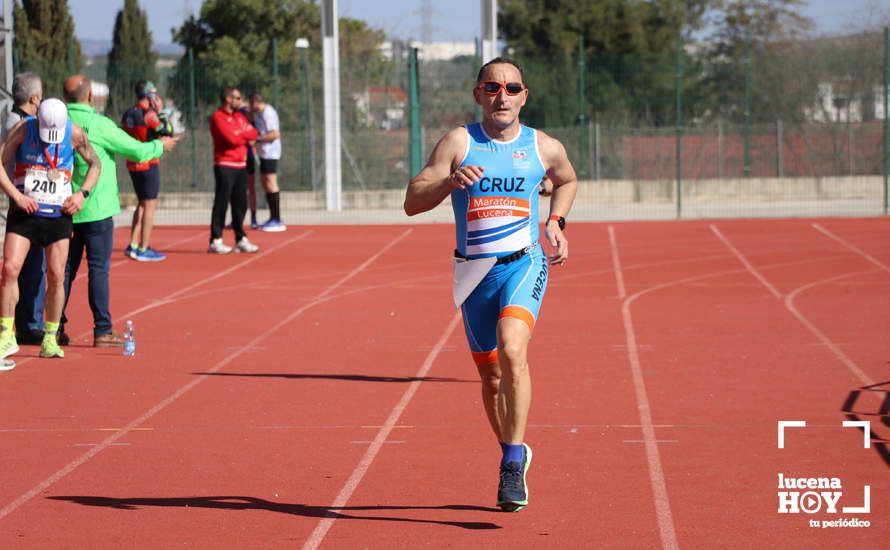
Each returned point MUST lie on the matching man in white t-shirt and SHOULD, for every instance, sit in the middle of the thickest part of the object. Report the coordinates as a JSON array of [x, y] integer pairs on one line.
[[268, 149]]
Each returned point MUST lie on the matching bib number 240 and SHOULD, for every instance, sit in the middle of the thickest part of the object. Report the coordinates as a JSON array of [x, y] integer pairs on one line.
[[43, 186]]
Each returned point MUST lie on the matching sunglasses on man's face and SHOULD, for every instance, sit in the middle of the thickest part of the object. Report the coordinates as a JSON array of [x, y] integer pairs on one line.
[[492, 87]]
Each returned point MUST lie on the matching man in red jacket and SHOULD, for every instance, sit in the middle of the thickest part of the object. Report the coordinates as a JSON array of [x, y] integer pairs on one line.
[[232, 134]]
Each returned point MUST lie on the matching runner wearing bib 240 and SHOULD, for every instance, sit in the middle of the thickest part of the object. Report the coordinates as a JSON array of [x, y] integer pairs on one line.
[[40, 210], [492, 171], [43, 170]]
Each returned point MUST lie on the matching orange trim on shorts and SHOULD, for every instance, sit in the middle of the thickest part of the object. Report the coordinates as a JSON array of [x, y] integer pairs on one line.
[[485, 357], [519, 312]]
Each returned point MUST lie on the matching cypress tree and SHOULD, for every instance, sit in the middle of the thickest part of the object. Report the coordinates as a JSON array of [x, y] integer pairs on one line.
[[45, 41], [131, 58]]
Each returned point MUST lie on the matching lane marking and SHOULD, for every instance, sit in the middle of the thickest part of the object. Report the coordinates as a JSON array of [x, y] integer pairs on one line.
[[849, 246], [86, 333], [656, 472], [325, 524], [744, 261], [616, 265], [168, 247], [825, 340], [788, 300], [184, 290], [110, 440]]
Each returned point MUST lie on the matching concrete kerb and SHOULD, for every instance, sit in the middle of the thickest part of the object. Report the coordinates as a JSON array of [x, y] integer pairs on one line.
[[610, 200], [596, 200]]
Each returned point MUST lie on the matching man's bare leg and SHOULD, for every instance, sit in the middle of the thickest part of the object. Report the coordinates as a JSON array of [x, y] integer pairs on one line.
[[516, 384], [492, 400], [149, 206]]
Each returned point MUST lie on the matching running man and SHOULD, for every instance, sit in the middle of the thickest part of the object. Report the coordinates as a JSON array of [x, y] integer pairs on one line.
[[491, 170], [40, 211]]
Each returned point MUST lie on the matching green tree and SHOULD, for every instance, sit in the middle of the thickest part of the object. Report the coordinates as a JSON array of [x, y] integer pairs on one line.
[[774, 29], [45, 42], [233, 41], [629, 49], [131, 58]]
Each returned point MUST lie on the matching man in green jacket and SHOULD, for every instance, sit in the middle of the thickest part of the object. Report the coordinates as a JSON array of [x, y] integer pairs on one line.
[[94, 224]]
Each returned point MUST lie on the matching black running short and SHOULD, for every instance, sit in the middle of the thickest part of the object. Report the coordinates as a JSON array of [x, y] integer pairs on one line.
[[268, 166], [37, 229], [147, 184]]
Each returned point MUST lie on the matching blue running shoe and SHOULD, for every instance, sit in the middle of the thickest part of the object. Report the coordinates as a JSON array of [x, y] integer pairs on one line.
[[512, 490], [150, 255], [130, 251], [273, 226]]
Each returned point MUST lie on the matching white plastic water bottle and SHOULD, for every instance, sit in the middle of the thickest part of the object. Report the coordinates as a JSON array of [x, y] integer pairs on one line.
[[130, 340]]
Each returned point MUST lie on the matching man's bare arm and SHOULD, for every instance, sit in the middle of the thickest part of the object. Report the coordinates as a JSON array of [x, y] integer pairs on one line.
[[565, 186], [81, 143], [438, 178], [271, 135], [7, 153]]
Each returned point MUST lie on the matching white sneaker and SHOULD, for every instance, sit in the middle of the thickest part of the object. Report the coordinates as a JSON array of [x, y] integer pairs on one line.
[[273, 226], [218, 247], [245, 246]]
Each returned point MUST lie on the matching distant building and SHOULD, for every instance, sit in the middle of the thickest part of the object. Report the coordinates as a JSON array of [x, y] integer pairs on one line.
[[879, 103], [100, 95], [383, 107], [834, 106], [430, 51]]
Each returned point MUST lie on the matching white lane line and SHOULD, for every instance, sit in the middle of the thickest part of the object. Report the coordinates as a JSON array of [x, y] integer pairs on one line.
[[849, 246], [825, 340], [110, 440], [789, 305], [744, 261], [653, 459], [616, 265], [85, 333], [324, 525], [184, 290], [168, 247]]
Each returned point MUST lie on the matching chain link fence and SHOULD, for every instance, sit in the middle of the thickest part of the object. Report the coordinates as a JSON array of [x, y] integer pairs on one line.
[[804, 121]]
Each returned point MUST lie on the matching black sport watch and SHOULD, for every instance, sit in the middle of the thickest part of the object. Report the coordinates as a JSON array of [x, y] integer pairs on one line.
[[85, 192]]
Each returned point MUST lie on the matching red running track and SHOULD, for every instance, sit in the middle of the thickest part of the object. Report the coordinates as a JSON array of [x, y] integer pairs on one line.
[[320, 394]]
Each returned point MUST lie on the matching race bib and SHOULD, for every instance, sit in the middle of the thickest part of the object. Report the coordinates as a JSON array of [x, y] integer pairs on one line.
[[47, 185]]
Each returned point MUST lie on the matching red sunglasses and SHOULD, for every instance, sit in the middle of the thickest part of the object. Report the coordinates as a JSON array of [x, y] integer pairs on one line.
[[492, 87]]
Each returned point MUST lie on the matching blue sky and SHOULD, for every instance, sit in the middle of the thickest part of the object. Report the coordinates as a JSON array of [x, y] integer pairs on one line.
[[456, 20]]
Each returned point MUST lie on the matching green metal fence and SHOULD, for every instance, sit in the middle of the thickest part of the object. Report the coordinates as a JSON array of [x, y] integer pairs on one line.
[[791, 121]]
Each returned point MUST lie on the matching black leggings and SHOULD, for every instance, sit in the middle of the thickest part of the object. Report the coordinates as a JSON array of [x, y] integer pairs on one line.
[[231, 185]]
